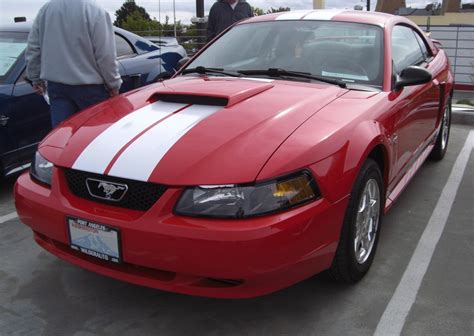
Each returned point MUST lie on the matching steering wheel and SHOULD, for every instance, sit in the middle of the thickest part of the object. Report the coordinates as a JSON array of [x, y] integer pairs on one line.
[[343, 65]]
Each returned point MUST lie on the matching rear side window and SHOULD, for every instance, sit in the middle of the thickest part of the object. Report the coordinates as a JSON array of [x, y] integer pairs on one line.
[[123, 47], [423, 47], [406, 50], [12, 48]]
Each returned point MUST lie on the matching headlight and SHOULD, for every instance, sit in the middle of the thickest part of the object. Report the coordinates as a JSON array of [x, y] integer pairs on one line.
[[241, 201], [41, 169]]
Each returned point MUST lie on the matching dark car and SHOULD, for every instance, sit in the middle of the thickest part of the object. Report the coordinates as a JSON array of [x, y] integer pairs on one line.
[[24, 116]]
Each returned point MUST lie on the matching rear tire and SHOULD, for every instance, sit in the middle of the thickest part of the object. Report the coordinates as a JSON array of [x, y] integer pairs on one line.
[[441, 144], [361, 227]]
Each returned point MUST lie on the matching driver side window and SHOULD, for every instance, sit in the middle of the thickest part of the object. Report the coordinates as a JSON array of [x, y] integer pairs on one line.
[[406, 50], [123, 47]]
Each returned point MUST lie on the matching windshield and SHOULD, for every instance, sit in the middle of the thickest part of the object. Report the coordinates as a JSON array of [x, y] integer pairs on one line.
[[351, 52], [12, 46]]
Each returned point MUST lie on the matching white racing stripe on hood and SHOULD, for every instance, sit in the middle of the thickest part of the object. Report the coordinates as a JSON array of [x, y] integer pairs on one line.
[[326, 14], [139, 160], [100, 152]]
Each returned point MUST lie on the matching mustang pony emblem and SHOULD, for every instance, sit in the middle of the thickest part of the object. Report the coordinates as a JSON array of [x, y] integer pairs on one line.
[[109, 189], [106, 190]]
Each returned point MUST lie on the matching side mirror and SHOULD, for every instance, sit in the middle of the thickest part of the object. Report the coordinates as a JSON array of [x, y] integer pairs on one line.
[[182, 62], [413, 75]]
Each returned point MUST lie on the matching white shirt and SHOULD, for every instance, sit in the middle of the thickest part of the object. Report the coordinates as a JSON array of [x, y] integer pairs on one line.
[[234, 5], [73, 42]]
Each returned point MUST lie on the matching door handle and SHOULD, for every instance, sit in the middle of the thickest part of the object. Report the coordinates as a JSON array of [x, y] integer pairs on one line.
[[4, 120]]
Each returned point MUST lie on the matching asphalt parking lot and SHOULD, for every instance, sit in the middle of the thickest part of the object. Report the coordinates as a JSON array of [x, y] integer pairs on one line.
[[421, 282]]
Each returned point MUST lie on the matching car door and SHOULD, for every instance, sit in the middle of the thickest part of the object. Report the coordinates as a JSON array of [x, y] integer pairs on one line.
[[149, 61], [126, 56], [24, 117], [7, 140], [29, 119], [418, 105]]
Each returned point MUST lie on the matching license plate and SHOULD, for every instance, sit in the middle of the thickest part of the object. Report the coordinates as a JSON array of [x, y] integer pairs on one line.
[[94, 239]]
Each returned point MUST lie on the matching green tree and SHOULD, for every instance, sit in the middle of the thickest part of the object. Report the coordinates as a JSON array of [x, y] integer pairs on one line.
[[258, 11], [137, 23], [128, 8], [277, 10]]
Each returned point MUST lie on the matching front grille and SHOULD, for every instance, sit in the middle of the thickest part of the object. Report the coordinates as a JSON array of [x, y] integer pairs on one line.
[[139, 196]]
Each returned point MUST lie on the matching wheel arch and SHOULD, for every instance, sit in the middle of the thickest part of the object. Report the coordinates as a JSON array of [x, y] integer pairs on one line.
[[380, 156], [367, 140], [377, 150]]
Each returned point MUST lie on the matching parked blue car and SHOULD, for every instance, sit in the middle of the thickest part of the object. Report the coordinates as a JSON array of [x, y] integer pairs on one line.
[[24, 116]]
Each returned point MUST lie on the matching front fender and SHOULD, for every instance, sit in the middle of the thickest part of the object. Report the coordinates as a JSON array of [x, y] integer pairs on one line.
[[337, 173], [335, 156]]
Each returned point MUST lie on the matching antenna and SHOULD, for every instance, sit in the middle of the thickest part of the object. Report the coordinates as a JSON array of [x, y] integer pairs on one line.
[[174, 17], [160, 32]]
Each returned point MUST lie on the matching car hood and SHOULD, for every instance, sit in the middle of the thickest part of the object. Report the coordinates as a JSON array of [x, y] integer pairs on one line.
[[189, 130]]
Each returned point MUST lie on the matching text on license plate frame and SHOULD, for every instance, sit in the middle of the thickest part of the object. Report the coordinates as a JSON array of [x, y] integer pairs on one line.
[[93, 239]]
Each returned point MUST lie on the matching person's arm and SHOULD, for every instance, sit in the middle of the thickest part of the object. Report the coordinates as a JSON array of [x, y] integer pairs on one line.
[[211, 24], [33, 57], [103, 41]]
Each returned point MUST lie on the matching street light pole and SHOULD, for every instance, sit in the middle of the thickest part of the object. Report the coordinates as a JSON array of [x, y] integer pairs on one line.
[[174, 17], [200, 25], [200, 8]]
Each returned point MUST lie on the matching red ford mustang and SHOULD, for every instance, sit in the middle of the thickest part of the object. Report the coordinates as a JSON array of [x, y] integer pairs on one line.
[[272, 156]]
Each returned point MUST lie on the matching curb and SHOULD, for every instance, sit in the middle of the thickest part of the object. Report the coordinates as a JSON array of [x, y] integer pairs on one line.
[[462, 115]]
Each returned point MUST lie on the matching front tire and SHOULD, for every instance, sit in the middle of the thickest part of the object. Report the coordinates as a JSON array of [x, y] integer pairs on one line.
[[361, 227], [441, 144]]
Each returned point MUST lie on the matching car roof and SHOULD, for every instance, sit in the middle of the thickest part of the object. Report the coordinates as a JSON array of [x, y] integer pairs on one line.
[[141, 44], [22, 27], [374, 18]]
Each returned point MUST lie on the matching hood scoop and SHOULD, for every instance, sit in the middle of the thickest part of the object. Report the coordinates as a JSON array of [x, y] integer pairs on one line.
[[211, 92], [190, 99]]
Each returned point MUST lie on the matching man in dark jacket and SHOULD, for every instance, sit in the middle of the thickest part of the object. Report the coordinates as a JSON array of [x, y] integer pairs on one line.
[[224, 13]]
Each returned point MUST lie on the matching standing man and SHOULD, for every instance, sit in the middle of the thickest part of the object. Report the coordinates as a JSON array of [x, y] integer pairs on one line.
[[225, 13], [71, 49]]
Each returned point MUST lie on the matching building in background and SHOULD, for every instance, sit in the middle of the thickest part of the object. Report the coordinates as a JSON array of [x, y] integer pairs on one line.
[[319, 4]]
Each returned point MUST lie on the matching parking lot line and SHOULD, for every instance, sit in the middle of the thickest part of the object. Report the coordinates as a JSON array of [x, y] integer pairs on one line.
[[396, 312], [8, 217]]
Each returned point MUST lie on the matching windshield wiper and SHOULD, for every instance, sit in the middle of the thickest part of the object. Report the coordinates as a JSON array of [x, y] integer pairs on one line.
[[362, 87], [203, 71], [272, 72]]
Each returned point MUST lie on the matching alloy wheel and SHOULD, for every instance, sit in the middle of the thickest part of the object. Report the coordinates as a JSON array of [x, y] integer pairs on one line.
[[367, 221]]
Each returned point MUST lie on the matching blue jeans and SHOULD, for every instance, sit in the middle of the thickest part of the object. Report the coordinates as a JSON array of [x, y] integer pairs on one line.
[[69, 99]]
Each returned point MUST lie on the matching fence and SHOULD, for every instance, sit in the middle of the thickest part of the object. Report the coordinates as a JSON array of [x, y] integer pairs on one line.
[[458, 41]]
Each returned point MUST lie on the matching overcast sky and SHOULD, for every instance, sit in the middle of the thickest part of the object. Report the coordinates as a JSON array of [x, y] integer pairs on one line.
[[185, 9]]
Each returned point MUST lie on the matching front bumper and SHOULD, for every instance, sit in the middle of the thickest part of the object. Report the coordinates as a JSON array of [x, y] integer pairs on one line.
[[205, 257]]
